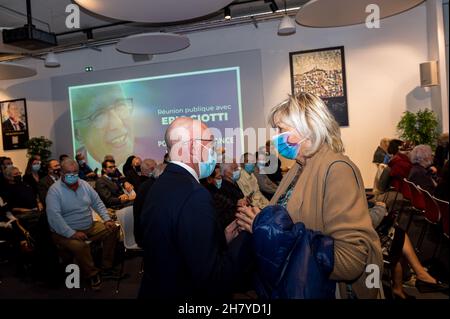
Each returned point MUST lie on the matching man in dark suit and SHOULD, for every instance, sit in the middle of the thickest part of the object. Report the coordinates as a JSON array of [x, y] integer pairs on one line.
[[13, 123], [186, 254], [53, 174], [108, 188]]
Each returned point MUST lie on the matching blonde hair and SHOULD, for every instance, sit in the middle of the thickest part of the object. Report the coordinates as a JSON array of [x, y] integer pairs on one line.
[[309, 115]]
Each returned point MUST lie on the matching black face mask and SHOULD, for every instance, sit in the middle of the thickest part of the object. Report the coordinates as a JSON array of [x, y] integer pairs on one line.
[[112, 175], [18, 179], [57, 172], [137, 168]]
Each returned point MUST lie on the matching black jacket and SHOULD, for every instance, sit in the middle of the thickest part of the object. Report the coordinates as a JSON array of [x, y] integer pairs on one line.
[[43, 187], [109, 191], [185, 252], [137, 208]]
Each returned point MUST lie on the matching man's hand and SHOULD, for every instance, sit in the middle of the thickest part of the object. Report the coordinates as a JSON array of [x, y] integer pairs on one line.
[[110, 225], [123, 198], [128, 187], [245, 217], [231, 231], [79, 236]]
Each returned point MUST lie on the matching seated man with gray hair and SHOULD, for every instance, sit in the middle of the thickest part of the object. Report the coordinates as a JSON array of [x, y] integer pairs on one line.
[[70, 201], [422, 171]]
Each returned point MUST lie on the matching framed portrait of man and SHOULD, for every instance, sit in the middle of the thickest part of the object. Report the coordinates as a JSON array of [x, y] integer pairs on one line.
[[322, 72], [14, 124]]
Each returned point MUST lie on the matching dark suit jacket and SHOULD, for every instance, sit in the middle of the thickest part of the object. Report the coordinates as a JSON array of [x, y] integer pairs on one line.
[[185, 252], [7, 126], [141, 194], [108, 191], [44, 185]]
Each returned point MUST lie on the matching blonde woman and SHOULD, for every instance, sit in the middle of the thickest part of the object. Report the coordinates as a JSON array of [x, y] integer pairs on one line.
[[324, 190]]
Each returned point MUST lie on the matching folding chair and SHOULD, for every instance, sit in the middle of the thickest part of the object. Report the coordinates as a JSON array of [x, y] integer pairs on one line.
[[432, 215], [417, 200]]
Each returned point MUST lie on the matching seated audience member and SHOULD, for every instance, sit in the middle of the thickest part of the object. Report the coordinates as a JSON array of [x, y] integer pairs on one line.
[[381, 152], [22, 201], [20, 197], [400, 164], [229, 196], [132, 171], [249, 184], [441, 153], [5, 162], [422, 172], [397, 247], [32, 173], [442, 187], [271, 155], [109, 189], [148, 168], [117, 172], [267, 187], [85, 172], [53, 174], [10, 230], [70, 201]]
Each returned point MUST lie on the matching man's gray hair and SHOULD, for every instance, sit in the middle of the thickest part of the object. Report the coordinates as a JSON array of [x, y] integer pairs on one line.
[[146, 164], [226, 165], [69, 162], [9, 171], [420, 154]]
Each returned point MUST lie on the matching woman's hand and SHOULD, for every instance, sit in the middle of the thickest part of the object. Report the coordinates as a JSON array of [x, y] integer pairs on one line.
[[245, 216]]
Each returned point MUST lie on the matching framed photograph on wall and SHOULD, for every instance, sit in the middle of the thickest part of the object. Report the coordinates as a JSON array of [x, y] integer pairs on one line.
[[14, 124], [322, 72]]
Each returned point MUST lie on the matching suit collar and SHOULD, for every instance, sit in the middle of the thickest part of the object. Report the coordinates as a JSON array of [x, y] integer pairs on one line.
[[179, 167]]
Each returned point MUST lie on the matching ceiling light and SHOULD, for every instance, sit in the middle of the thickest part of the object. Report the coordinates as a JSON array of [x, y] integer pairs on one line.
[[51, 61], [286, 26]]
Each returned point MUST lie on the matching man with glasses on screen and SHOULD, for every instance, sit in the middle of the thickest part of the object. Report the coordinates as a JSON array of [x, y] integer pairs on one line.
[[103, 123]]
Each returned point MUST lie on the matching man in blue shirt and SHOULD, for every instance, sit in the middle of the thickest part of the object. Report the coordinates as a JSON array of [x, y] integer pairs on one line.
[[70, 201]]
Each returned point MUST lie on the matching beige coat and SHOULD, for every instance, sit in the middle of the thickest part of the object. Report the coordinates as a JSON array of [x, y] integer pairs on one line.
[[329, 197], [249, 187]]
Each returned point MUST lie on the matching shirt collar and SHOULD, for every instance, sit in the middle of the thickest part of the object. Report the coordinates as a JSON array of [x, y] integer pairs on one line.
[[188, 168]]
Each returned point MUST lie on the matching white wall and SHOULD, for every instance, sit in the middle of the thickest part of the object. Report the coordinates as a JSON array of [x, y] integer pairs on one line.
[[382, 74]]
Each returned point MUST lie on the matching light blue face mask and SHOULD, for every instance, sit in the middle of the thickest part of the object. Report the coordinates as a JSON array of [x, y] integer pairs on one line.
[[36, 167], [71, 179], [236, 175], [218, 183], [206, 168], [249, 167], [284, 147]]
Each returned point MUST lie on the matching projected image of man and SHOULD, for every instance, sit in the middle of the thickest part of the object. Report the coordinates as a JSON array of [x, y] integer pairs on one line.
[[103, 123]]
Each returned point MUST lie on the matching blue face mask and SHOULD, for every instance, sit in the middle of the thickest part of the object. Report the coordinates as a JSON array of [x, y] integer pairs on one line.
[[236, 175], [249, 167], [218, 183], [206, 168], [284, 147], [71, 179], [36, 167]]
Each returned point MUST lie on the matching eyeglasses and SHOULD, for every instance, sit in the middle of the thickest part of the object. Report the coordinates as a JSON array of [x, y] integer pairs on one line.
[[214, 143], [71, 175], [110, 167], [123, 108]]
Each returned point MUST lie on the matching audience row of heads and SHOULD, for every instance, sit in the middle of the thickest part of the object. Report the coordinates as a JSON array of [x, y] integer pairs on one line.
[[420, 154]]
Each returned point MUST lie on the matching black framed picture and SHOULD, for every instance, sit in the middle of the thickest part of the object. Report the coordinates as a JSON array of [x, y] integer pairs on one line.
[[14, 124], [322, 72]]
